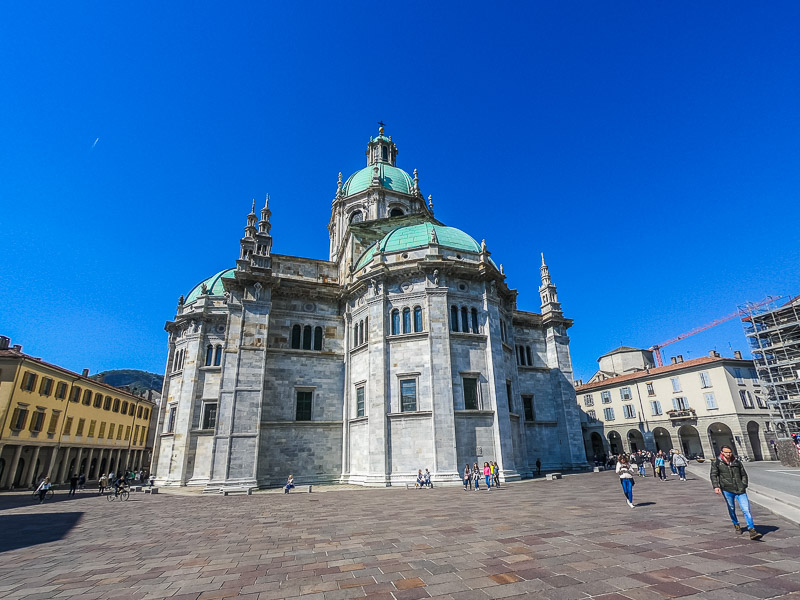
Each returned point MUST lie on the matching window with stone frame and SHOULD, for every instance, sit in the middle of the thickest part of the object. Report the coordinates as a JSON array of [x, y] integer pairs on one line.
[[528, 407], [46, 386], [408, 395], [119, 432], [75, 395], [127, 432], [111, 427], [680, 403], [395, 326], [676, 384], [124, 409], [474, 323], [360, 401], [53, 425], [406, 320], [417, 319], [135, 433], [605, 397], [304, 405], [317, 338], [79, 428], [470, 393], [171, 418], [705, 379], [217, 355], [209, 415], [454, 318], [509, 397], [629, 411], [139, 412], [746, 398], [37, 421], [107, 403], [102, 432], [61, 390], [115, 407], [711, 401], [28, 381], [92, 427], [87, 397], [588, 400], [625, 393], [296, 336], [68, 426], [98, 400], [131, 408], [209, 355], [307, 333], [655, 408], [464, 319], [608, 414], [650, 390]]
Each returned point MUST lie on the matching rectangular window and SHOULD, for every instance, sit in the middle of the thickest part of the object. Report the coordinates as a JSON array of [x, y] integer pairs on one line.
[[747, 398], [527, 404], [209, 416], [28, 381], [625, 393], [408, 395], [629, 411], [680, 403], [102, 433], [588, 400], [127, 433], [738, 374], [705, 380], [606, 396], [81, 424], [650, 390], [68, 426], [135, 434], [655, 407], [75, 394], [51, 428], [18, 418], [591, 414], [143, 436], [760, 401], [61, 390], [608, 413], [711, 402], [92, 426], [676, 384], [46, 386], [119, 432], [303, 411], [111, 431], [360, 391], [171, 419], [37, 421], [470, 393], [509, 397]]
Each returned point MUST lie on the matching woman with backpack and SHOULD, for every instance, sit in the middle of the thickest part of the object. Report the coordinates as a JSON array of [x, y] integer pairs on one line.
[[626, 472], [680, 462]]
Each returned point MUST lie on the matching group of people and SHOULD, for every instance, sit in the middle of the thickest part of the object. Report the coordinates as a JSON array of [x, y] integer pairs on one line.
[[490, 474], [728, 478], [423, 480]]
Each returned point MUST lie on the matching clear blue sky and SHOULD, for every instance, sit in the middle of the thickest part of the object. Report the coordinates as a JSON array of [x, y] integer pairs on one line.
[[650, 150]]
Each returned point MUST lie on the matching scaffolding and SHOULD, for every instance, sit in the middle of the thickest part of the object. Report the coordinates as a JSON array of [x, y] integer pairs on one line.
[[773, 332]]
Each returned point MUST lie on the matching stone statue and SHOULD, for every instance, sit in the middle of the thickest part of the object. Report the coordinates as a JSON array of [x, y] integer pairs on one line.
[[483, 245], [434, 239], [436, 277], [203, 289], [181, 300]]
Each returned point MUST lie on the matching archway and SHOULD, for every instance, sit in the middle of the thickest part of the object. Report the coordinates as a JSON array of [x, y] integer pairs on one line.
[[663, 439], [91, 473], [689, 439], [635, 440], [615, 443], [598, 450], [720, 435], [755, 442], [2, 468], [20, 470]]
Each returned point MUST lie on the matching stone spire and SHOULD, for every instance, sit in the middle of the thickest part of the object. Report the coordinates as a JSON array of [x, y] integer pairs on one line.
[[256, 245], [547, 291], [264, 224]]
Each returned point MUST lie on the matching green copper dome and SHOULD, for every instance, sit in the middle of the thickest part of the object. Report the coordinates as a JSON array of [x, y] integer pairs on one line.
[[419, 236], [391, 178], [213, 283]]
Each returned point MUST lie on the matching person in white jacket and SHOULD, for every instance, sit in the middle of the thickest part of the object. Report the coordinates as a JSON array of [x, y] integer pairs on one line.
[[625, 471]]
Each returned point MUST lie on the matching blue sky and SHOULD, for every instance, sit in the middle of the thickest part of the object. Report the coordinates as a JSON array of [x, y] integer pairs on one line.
[[650, 150]]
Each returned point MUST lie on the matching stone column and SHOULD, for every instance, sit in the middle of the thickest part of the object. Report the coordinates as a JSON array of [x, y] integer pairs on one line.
[[78, 462], [52, 462], [88, 471], [32, 474], [12, 470], [115, 456], [97, 472], [62, 473]]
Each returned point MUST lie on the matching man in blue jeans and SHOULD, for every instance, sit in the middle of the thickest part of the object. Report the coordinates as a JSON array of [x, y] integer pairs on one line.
[[729, 479]]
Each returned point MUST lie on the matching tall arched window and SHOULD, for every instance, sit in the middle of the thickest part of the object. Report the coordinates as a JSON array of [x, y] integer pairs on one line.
[[384, 153], [296, 337], [454, 318], [218, 355], [87, 397], [521, 352], [98, 400], [464, 319], [396, 212], [366, 329], [360, 332], [355, 335], [406, 320], [318, 338], [307, 337], [528, 355], [475, 321], [395, 322], [417, 318], [209, 355]]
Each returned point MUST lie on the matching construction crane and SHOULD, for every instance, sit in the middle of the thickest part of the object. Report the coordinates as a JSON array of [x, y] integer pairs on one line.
[[657, 347]]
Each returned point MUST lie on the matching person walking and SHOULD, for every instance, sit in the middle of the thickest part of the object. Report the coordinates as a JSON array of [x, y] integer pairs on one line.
[[651, 458], [661, 466], [496, 474], [672, 464], [729, 479], [680, 461], [487, 474], [467, 477], [637, 461], [102, 483], [625, 470], [82, 482], [476, 477], [73, 484], [43, 488], [538, 467]]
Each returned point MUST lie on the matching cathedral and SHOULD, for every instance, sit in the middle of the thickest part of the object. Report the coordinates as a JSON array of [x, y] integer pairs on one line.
[[404, 350]]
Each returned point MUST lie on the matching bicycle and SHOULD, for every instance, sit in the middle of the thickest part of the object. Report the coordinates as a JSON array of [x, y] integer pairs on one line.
[[48, 496], [123, 495]]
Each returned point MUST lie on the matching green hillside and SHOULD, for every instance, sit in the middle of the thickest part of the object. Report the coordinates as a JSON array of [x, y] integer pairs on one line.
[[137, 381]]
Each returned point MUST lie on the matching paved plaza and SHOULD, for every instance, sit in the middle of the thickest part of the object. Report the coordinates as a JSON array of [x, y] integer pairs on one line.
[[573, 538]]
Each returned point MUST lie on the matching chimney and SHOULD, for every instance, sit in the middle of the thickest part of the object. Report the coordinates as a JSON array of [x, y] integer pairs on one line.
[[85, 373], [711, 353], [673, 360], [737, 354], [4, 342], [680, 358], [716, 354], [18, 347]]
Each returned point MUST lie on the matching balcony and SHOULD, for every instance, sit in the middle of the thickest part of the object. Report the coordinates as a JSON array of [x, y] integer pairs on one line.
[[682, 415]]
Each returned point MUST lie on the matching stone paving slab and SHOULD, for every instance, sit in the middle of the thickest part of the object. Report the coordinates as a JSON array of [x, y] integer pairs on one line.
[[572, 538]]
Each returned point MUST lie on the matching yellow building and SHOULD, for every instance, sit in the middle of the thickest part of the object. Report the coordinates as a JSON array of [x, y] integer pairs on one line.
[[56, 422]]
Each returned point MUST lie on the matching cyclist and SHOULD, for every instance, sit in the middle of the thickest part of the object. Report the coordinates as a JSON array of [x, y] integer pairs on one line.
[[119, 485]]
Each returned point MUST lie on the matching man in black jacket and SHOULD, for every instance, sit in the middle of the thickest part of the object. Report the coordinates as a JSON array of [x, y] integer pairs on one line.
[[729, 479]]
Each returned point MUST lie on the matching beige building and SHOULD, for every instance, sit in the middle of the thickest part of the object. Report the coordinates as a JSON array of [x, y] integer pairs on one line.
[[697, 406], [55, 422]]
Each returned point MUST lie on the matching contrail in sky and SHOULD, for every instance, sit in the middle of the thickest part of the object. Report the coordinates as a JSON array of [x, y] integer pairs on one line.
[[95, 143]]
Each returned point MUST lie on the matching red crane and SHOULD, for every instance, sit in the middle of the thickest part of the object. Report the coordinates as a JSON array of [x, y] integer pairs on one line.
[[657, 347]]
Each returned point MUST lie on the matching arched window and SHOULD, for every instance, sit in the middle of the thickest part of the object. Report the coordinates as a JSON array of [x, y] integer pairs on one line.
[[116, 405], [406, 320], [98, 400], [396, 212], [454, 318], [384, 153], [475, 321], [124, 407], [366, 329], [318, 338], [395, 322], [107, 403], [417, 318], [307, 337], [464, 320], [139, 412], [360, 332], [131, 408], [87, 397], [355, 335], [296, 337], [528, 355], [209, 355], [218, 355]]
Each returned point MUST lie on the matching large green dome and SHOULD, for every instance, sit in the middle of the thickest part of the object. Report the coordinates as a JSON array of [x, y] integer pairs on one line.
[[213, 284], [419, 236], [391, 178]]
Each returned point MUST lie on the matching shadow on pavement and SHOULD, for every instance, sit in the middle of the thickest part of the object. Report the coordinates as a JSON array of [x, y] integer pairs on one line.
[[39, 528], [645, 503], [766, 529]]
